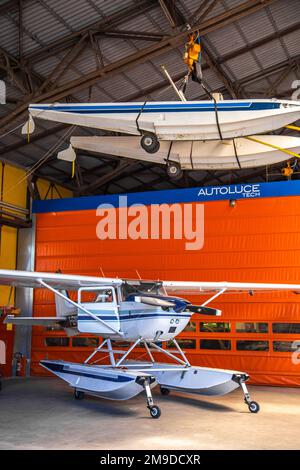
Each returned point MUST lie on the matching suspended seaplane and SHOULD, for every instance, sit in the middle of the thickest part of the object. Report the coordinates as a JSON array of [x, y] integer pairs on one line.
[[175, 120], [184, 135], [143, 314]]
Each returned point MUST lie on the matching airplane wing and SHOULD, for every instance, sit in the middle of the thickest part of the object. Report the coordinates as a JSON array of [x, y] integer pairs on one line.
[[57, 281], [74, 282], [186, 287], [34, 321]]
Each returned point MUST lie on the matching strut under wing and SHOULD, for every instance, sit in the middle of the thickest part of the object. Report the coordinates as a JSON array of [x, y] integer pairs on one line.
[[34, 321]]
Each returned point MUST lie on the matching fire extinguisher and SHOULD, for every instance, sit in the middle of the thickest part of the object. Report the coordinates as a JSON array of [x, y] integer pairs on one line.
[[20, 364]]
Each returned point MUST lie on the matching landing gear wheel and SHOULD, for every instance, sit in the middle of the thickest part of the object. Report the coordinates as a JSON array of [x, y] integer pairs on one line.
[[164, 391], [174, 171], [155, 412], [253, 407], [78, 395], [150, 143]]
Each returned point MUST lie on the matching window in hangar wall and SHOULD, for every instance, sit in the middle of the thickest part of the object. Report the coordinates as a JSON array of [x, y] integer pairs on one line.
[[286, 328]]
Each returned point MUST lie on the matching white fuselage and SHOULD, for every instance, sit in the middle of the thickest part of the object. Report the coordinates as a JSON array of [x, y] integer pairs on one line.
[[175, 120], [134, 320]]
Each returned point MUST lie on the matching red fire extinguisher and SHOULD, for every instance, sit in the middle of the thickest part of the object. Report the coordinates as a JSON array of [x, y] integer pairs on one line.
[[20, 364]]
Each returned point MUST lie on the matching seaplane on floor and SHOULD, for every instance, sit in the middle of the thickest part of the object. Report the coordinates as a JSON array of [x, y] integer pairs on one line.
[[143, 314]]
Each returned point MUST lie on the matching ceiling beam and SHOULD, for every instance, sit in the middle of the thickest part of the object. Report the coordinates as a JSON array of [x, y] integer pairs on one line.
[[202, 12], [164, 84], [286, 65], [68, 60], [107, 23], [260, 42], [246, 177], [135, 35], [167, 13], [217, 69], [172, 13], [121, 166], [284, 74], [138, 57], [33, 138], [208, 56], [13, 221], [269, 71], [11, 6]]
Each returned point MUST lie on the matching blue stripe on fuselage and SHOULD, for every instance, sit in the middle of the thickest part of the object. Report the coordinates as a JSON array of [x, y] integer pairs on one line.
[[60, 368], [159, 108], [133, 316]]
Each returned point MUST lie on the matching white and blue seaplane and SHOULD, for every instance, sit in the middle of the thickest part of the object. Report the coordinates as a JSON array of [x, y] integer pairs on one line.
[[142, 314], [175, 120]]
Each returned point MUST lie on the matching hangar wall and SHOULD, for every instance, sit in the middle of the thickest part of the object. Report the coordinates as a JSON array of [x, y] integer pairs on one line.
[[13, 190], [257, 240]]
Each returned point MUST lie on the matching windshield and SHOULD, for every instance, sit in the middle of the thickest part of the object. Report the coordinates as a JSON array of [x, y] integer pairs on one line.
[[140, 287]]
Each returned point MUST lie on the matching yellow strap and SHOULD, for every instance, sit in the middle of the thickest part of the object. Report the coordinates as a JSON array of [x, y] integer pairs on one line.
[[73, 168], [293, 128], [288, 152]]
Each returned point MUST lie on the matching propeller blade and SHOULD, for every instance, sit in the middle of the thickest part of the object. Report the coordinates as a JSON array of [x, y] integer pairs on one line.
[[205, 310], [153, 301]]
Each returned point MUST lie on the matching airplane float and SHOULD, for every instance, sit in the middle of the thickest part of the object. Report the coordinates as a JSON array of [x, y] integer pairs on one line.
[[231, 154], [143, 314]]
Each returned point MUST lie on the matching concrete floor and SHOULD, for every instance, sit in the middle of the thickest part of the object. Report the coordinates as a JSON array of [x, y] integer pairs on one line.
[[41, 413]]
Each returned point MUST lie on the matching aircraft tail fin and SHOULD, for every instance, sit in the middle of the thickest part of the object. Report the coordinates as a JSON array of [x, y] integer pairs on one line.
[[63, 307]]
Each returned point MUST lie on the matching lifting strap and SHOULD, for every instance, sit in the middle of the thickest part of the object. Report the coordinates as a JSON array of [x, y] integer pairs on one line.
[[169, 152], [138, 117], [209, 94], [236, 154], [192, 57], [191, 155], [276, 147], [293, 128]]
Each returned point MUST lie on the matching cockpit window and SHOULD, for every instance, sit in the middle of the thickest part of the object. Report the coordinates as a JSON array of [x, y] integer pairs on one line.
[[140, 287]]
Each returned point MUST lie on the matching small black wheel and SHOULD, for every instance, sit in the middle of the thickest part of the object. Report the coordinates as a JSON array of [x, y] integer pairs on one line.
[[78, 394], [253, 407], [164, 391], [174, 171], [150, 143], [155, 412]]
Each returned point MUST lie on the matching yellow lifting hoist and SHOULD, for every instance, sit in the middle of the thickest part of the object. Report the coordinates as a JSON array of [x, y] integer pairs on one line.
[[192, 56]]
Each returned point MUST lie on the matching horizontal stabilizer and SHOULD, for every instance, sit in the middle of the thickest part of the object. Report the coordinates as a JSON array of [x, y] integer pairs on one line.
[[34, 321]]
